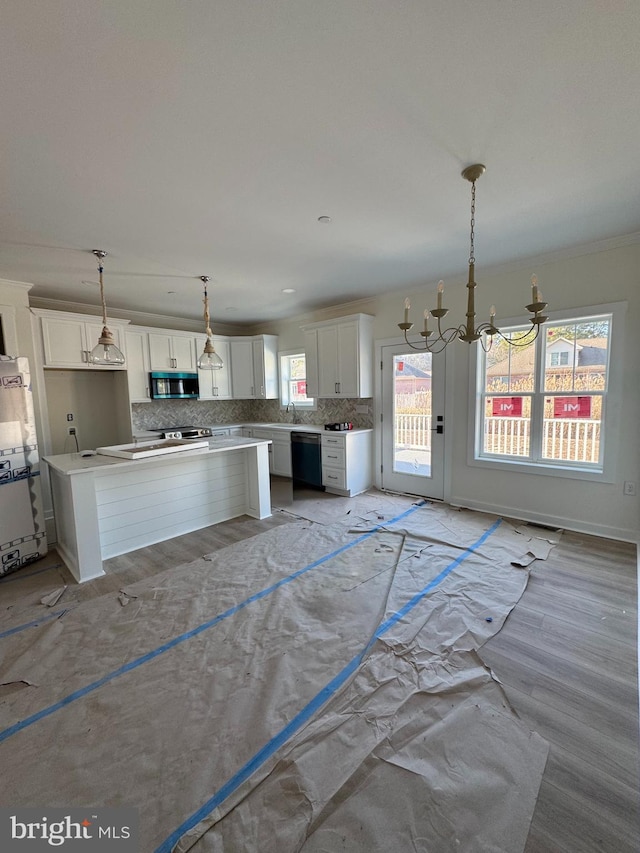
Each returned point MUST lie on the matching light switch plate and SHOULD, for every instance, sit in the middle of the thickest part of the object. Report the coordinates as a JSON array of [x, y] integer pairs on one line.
[[362, 410]]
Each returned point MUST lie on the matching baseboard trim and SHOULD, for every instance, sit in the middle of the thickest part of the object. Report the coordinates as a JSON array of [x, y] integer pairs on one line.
[[620, 534]]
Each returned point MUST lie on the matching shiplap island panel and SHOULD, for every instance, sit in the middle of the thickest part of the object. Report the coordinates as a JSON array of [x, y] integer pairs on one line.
[[105, 506]]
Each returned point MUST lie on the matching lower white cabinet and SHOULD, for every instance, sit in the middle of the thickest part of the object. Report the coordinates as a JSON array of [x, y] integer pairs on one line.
[[347, 462], [281, 454], [279, 449]]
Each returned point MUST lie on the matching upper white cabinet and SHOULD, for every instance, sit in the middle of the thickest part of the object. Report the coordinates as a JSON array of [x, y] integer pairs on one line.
[[339, 357], [215, 384], [137, 364], [67, 339], [172, 351], [254, 367]]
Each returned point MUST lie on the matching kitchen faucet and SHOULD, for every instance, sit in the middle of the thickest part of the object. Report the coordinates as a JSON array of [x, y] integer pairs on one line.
[[295, 415]]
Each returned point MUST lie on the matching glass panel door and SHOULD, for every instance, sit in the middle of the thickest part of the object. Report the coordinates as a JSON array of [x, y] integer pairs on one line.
[[412, 421]]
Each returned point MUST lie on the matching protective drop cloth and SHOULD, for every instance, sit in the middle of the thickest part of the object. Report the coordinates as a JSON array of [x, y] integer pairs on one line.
[[160, 704]]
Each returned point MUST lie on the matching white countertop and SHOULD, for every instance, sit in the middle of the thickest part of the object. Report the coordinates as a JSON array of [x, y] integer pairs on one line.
[[75, 463], [317, 428]]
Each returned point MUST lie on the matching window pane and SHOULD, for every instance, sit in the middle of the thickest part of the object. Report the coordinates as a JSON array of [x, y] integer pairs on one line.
[[510, 368], [293, 382], [576, 356], [298, 391], [507, 426], [297, 367], [572, 428], [412, 413]]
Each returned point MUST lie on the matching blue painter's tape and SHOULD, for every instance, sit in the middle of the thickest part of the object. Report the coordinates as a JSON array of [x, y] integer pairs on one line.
[[303, 716], [34, 624], [89, 688]]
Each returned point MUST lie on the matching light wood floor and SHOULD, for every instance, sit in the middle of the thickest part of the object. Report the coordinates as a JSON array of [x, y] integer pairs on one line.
[[567, 658]]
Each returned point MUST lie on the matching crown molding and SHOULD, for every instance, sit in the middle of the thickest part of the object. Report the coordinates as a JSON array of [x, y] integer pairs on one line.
[[20, 285], [138, 318]]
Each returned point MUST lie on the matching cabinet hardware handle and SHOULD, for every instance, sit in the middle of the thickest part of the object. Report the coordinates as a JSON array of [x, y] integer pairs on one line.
[[331, 456], [331, 477]]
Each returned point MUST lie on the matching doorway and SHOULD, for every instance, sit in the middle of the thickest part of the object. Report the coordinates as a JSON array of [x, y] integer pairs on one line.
[[412, 433]]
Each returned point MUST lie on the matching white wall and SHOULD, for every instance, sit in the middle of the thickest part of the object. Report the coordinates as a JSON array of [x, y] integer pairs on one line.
[[91, 396], [598, 275]]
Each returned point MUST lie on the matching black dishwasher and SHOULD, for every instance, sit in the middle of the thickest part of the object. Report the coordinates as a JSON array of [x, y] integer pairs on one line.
[[306, 460]]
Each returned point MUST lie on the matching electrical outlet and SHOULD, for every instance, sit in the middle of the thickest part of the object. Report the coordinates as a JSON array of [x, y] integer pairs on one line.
[[69, 417], [362, 410], [72, 430], [629, 488]]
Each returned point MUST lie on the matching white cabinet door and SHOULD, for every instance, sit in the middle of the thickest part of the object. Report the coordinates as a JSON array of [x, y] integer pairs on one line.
[[64, 343], [328, 361], [242, 382], [160, 355], [171, 352], [311, 361], [281, 456], [183, 353], [215, 384], [137, 363], [348, 362], [258, 369]]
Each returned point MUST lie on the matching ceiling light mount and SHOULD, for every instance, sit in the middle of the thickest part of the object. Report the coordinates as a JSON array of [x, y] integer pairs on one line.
[[468, 331]]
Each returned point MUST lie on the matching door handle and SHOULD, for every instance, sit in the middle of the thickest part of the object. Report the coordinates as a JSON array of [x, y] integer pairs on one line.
[[439, 429]]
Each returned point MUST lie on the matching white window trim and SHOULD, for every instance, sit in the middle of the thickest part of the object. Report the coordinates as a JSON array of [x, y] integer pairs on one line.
[[282, 380], [613, 401]]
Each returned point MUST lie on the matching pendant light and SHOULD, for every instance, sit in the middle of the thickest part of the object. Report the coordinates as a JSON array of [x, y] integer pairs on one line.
[[209, 360], [468, 331], [105, 352]]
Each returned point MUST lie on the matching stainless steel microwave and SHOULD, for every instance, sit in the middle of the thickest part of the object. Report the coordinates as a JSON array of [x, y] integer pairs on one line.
[[173, 386]]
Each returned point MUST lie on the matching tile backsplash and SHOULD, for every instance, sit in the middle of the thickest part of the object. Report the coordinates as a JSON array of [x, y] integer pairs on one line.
[[167, 413]]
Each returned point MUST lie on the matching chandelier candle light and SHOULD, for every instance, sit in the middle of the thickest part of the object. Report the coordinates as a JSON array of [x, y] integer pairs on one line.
[[105, 352], [469, 332], [209, 360]]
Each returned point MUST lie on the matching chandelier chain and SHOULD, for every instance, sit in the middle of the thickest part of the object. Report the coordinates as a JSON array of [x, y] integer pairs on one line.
[[472, 258]]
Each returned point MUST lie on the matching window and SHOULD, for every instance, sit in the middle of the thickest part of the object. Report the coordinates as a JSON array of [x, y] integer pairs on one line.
[[545, 404], [293, 381]]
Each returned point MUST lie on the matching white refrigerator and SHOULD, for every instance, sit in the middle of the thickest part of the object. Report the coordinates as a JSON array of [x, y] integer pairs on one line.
[[23, 537]]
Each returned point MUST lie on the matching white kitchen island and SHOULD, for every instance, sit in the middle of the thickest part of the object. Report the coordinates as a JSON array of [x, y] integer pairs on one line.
[[105, 506]]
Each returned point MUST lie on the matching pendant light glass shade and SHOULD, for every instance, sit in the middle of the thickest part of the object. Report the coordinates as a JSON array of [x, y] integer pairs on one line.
[[209, 360], [105, 352]]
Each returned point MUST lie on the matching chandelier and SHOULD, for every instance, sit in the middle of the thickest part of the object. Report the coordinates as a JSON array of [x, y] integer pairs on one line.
[[105, 351], [468, 331], [209, 360]]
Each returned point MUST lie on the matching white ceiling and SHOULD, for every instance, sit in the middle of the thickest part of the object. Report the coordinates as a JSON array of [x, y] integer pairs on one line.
[[207, 137]]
